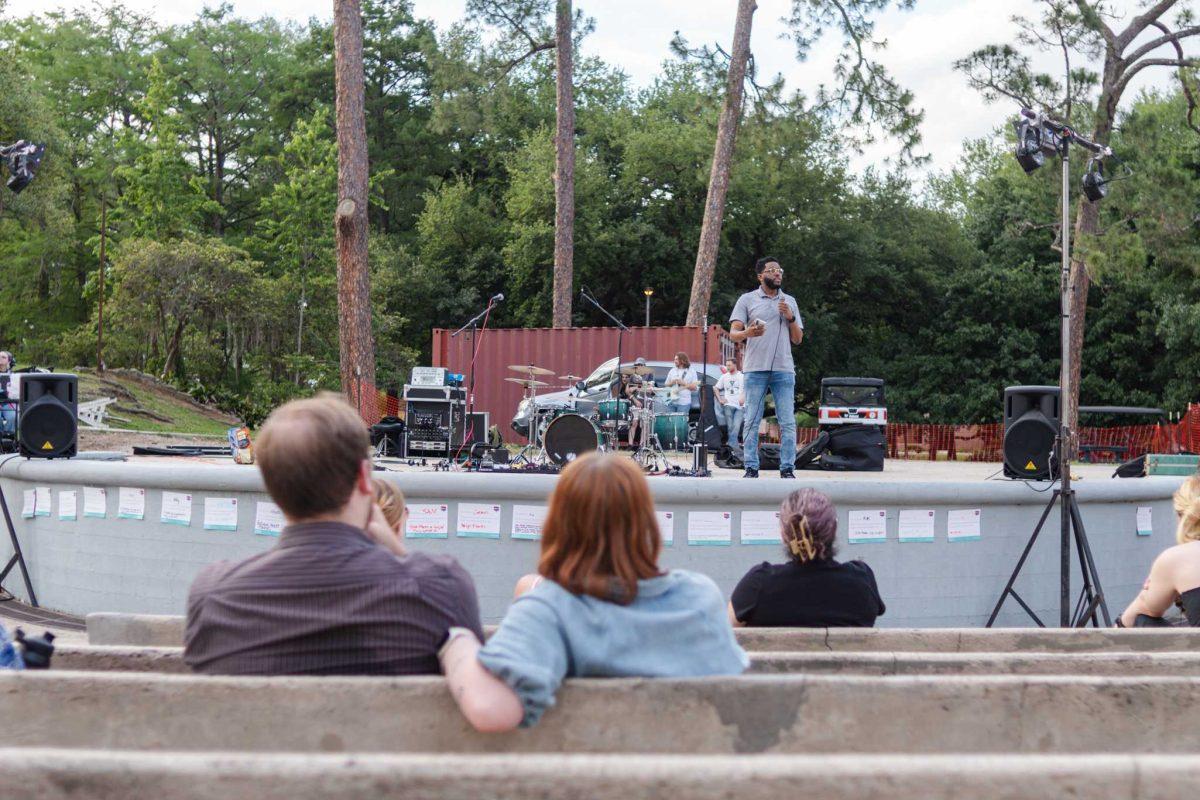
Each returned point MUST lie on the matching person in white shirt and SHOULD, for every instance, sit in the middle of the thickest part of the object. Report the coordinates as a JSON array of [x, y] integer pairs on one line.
[[682, 380], [731, 393]]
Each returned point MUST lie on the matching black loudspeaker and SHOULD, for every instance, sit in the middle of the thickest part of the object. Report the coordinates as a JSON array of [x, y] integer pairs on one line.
[[477, 426], [47, 424], [1031, 423]]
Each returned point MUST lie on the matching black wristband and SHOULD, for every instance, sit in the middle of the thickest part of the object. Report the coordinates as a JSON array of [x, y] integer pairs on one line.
[[1120, 622]]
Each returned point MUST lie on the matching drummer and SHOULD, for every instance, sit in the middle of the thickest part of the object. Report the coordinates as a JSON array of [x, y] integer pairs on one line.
[[635, 389]]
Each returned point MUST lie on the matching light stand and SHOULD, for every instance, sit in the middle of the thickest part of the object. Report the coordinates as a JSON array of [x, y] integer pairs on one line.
[[1061, 136]]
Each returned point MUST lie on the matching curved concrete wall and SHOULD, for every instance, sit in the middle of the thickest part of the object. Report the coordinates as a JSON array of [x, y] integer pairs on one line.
[[145, 566]]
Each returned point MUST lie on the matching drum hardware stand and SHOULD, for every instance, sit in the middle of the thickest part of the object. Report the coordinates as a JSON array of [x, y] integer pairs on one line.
[[650, 455], [1091, 598]]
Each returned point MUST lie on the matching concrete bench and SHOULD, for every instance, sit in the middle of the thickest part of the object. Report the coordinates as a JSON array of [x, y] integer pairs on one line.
[[750, 714], [148, 630], [119, 775], [106, 658]]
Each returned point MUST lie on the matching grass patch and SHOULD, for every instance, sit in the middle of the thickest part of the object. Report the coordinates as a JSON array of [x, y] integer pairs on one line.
[[145, 404]]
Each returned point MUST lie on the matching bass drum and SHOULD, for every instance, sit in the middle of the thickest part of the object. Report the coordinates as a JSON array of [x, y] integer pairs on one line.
[[569, 436]]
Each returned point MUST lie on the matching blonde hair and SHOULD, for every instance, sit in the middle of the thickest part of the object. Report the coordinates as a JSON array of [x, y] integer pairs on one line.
[[1187, 506], [390, 500]]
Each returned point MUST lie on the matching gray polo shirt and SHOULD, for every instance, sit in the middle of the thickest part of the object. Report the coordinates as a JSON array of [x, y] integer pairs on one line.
[[773, 350]]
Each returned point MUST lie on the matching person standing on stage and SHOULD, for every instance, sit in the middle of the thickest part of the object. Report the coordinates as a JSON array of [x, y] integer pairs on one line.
[[8, 394], [731, 392], [769, 322], [682, 380]]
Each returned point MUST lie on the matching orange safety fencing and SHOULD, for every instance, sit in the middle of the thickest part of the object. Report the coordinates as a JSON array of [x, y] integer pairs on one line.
[[925, 442]]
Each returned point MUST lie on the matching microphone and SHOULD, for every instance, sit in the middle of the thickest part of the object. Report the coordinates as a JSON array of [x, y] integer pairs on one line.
[[498, 298]]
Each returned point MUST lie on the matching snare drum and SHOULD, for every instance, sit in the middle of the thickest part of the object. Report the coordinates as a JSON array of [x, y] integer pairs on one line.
[[569, 436], [672, 430]]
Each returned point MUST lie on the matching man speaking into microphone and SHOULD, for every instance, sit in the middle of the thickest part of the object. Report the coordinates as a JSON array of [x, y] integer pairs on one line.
[[769, 322]]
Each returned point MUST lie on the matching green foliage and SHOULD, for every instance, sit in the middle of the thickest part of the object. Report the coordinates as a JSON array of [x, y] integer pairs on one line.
[[211, 145]]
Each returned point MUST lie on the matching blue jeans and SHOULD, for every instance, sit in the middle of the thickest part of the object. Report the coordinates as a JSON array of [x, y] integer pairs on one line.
[[782, 386], [8, 417], [732, 417], [679, 408]]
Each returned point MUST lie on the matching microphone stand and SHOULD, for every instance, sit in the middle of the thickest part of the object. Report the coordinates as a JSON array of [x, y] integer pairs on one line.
[[700, 454], [473, 324], [621, 328]]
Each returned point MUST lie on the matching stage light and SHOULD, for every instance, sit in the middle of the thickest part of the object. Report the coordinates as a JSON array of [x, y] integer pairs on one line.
[[1095, 185], [23, 159], [1029, 145]]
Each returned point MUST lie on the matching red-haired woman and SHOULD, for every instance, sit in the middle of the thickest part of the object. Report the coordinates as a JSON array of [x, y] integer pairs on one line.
[[602, 608], [811, 590]]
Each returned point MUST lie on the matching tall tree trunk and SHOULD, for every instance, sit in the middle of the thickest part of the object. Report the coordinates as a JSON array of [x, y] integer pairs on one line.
[[357, 347], [564, 170], [1087, 224], [718, 178]]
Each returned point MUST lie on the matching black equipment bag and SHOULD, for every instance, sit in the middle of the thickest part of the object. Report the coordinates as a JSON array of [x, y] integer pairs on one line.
[[1133, 468], [710, 429], [855, 448], [806, 457], [733, 457]]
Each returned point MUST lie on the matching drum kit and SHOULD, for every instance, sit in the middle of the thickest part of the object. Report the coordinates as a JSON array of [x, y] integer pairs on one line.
[[562, 432]]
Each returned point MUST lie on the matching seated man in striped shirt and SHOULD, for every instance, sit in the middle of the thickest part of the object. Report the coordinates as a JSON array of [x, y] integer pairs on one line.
[[338, 594]]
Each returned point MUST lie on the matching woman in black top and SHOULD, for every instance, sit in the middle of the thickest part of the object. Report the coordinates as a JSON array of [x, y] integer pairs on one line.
[[1175, 575], [811, 590]]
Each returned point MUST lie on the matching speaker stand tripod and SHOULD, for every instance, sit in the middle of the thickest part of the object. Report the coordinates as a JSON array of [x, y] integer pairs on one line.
[[1091, 598], [18, 557]]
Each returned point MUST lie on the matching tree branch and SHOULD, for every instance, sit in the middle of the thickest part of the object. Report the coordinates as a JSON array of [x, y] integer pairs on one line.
[[1140, 23], [1152, 62], [1187, 90], [1168, 38], [511, 65], [1092, 17]]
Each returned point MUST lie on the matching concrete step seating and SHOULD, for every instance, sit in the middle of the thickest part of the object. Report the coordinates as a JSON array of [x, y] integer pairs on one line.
[[118, 775], [151, 630], [779, 714], [886, 713], [113, 658]]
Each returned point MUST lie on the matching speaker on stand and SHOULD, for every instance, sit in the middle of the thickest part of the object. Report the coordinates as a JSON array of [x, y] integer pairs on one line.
[[47, 427], [1031, 422]]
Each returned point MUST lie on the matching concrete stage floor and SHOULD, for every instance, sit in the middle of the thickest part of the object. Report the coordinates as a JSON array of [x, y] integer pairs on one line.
[[893, 469]]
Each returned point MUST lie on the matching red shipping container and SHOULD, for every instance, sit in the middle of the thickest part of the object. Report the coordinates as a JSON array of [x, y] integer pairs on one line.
[[575, 351]]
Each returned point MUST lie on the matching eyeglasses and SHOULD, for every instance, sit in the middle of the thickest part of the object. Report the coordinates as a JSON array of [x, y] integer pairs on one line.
[[778, 270]]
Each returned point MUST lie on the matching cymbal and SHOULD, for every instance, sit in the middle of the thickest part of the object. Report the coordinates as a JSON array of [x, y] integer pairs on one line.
[[634, 369], [528, 384], [530, 369], [570, 378]]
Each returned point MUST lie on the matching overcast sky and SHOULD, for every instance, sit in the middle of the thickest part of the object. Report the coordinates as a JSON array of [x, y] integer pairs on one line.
[[922, 45]]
